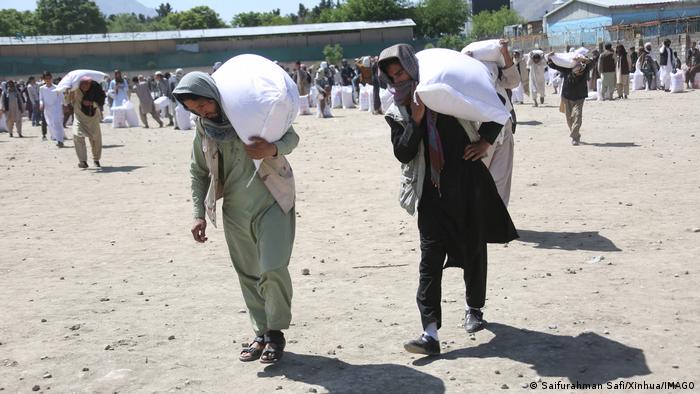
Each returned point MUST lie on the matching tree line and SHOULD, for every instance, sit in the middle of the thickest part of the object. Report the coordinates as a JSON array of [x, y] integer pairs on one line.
[[442, 19]]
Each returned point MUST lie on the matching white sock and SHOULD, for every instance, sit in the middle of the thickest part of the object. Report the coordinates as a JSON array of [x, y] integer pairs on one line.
[[432, 331]]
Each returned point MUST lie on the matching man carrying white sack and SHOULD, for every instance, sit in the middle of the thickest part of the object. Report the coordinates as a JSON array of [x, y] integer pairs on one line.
[[535, 66], [258, 231], [499, 156], [86, 102], [574, 92], [458, 206]]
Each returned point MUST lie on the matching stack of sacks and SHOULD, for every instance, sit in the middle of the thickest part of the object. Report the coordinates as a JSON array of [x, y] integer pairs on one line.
[[336, 96], [677, 81], [346, 97]]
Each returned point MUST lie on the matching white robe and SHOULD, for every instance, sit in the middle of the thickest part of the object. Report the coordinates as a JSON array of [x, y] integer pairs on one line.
[[52, 101], [537, 82], [666, 70], [119, 95]]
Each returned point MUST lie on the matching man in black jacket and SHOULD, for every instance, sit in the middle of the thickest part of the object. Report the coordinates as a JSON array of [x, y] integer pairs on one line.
[[606, 67], [574, 92]]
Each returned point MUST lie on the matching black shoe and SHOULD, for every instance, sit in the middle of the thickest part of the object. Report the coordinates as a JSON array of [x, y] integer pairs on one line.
[[97, 163], [59, 144], [541, 100], [43, 138], [83, 164], [424, 345], [474, 320]]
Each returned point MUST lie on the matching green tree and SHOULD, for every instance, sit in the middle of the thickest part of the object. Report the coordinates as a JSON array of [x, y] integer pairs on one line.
[[333, 53], [250, 19], [123, 23], [435, 18], [164, 9], [17, 24], [200, 17], [453, 41], [488, 24], [375, 10], [69, 17]]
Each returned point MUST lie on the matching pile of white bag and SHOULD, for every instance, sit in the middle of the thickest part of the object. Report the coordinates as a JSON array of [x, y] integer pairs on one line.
[[486, 51], [263, 104], [458, 85], [677, 81], [71, 81], [162, 104], [183, 118]]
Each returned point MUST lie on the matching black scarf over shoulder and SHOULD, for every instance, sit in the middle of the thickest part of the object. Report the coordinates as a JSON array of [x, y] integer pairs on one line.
[[94, 94]]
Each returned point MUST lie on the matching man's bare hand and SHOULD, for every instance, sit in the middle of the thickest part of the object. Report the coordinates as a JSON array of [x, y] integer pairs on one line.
[[417, 110], [260, 149], [199, 230], [476, 151]]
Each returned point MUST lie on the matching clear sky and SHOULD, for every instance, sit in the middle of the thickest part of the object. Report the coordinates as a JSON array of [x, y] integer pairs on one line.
[[226, 8]]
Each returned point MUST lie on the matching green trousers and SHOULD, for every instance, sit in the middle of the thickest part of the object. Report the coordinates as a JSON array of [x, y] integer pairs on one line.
[[260, 252]]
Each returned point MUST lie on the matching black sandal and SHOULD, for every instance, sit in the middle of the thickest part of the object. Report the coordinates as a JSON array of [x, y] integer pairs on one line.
[[272, 355], [252, 353]]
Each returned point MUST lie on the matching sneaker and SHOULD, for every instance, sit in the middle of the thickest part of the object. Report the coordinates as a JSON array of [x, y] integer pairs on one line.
[[59, 144], [97, 163], [83, 164], [474, 320], [424, 345]]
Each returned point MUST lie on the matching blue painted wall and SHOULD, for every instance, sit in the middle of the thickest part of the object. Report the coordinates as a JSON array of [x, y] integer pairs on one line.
[[627, 16], [587, 31]]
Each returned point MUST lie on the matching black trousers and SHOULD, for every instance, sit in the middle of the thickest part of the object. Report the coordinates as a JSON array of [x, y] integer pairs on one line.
[[429, 295]]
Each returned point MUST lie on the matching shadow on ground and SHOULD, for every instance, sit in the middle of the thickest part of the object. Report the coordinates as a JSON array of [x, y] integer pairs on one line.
[[587, 240], [611, 144], [530, 123], [586, 358], [117, 169], [337, 376], [112, 146]]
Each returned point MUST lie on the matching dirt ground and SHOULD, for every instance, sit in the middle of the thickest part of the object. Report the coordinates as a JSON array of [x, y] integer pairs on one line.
[[102, 288]]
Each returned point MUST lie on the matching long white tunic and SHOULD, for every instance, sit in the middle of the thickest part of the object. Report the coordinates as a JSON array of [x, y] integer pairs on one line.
[[52, 101], [118, 91], [537, 82]]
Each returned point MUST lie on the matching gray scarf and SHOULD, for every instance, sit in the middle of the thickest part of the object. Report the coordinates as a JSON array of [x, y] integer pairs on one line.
[[201, 84]]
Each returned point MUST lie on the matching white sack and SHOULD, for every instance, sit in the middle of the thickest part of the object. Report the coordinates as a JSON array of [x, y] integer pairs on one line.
[[518, 94], [182, 117], [564, 59], [336, 96], [162, 104], [132, 118], [365, 97], [346, 97], [304, 108], [486, 51], [599, 89], [387, 99], [71, 81], [119, 117], [258, 97], [3, 123], [677, 81], [638, 81], [458, 85]]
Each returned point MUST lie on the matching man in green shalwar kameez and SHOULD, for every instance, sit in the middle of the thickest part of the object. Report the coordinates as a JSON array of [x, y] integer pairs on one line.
[[259, 218]]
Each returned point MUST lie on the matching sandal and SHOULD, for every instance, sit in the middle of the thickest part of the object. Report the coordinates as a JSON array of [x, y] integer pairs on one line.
[[252, 353], [274, 347]]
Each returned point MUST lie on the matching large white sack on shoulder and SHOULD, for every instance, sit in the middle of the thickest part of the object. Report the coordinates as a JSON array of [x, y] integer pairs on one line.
[[582, 51], [336, 96], [486, 51], [346, 97], [132, 118], [677, 81], [386, 98], [182, 117], [304, 108], [564, 59], [458, 85], [258, 97], [71, 81]]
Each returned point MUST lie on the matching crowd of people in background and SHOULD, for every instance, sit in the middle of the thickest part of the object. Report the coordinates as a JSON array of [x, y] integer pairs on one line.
[[37, 100]]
